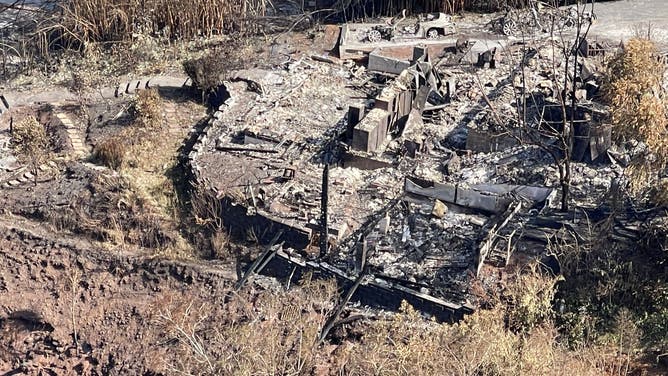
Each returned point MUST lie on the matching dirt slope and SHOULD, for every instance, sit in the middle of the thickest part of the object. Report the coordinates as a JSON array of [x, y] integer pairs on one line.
[[57, 292]]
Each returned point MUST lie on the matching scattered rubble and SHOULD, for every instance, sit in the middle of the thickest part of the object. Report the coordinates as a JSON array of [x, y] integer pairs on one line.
[[391, 179], [415, 170]]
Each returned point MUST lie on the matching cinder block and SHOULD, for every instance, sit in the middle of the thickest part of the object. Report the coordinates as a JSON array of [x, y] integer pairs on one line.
[[381, 132], [365, 139], [420, 53], [385, 104], [355, 115]]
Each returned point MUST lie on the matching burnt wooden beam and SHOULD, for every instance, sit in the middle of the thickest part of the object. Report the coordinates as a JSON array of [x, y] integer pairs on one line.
[[258, 260], [331, 322], [324, 198]]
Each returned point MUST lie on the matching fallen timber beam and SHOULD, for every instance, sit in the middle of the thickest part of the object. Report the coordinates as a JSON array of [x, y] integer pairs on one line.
[[583, 225], [374, 291], [339, 309], [263, 256], [495, 225]]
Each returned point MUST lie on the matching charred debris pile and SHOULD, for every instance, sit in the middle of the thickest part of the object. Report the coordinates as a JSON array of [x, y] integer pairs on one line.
[[433, 164]]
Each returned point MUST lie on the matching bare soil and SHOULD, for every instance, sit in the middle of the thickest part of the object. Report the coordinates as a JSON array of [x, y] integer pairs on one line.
[[68, 306]]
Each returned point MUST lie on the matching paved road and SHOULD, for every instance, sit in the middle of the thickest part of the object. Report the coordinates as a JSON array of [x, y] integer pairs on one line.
[[619, 20]]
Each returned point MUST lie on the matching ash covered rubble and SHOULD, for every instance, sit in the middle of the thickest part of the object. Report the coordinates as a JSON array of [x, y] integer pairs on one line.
[[482, 124], [419, 194], [264, 152]]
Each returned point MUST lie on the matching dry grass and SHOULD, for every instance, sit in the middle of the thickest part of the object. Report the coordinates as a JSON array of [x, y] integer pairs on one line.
[[150, 148], [110, 153], [109, 210], [85, 21], [147, 108], [275, 333], [266, 333], [133, 144]]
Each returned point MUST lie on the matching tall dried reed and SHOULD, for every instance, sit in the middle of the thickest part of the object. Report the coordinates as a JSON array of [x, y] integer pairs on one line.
[[84, 21]]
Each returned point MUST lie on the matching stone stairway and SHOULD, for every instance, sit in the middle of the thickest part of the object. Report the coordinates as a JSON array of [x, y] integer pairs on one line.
[[79, 147]]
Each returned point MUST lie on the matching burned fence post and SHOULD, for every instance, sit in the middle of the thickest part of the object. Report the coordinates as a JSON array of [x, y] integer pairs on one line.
[[323, 209]]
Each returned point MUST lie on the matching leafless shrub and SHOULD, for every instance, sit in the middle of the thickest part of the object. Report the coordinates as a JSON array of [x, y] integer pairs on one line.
[[147, 108], [220, 244], [30, 142], [206, 208], [208, 71], [640, 111], [573, 250], [646, 31]]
